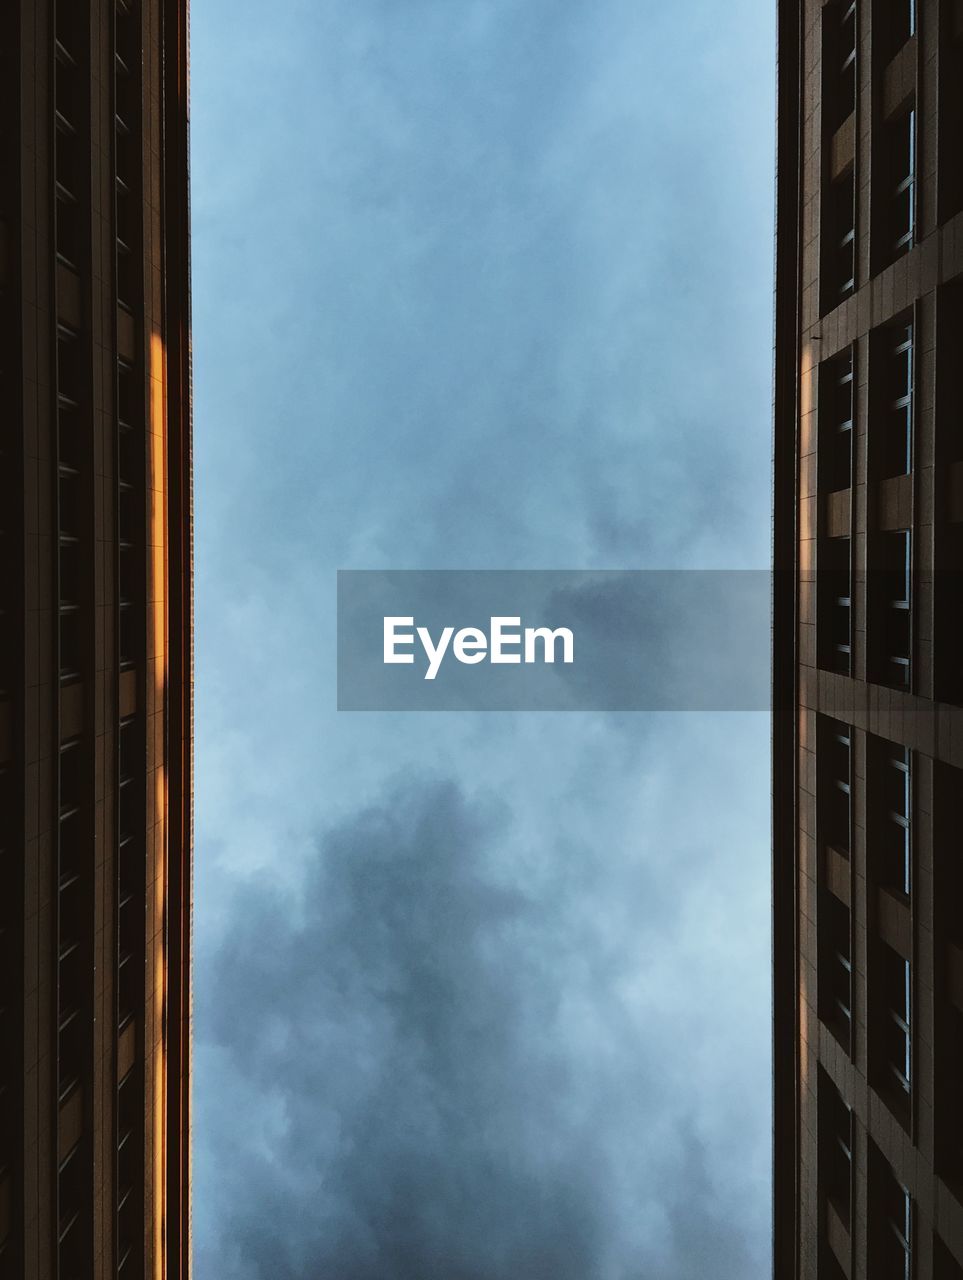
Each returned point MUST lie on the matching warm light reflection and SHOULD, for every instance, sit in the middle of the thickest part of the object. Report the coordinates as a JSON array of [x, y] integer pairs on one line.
[[803, 1056], [158, 663], [806, 365], [807, 374]]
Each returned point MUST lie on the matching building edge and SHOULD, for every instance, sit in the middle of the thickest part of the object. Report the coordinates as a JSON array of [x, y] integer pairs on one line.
[[177, 268], [785, 1129]]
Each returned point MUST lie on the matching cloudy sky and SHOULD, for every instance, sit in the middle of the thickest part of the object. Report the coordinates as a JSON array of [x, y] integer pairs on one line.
[[478, 284]]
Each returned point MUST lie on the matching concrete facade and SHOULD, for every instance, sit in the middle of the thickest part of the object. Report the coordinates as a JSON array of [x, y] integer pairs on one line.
[[868, 642], [95, 655]]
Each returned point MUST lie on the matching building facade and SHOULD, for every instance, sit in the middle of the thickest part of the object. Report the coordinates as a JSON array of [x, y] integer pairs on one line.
[[95, 640], [868, 642]]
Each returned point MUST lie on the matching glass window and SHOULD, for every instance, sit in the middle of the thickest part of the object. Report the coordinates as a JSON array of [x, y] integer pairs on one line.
[[945, 1266], [892, 979], [890, 1222], [833, 783], [890, 582], [834, 604], [890, 798], [893, 443], [835, 1147], [895, 21], [836, 401], [835, 967], [839, 263], [839, 63], [897, 199]]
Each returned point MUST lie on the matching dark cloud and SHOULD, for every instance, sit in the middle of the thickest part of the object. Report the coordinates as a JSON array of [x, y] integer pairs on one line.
[[414, 1022], [478, 283]]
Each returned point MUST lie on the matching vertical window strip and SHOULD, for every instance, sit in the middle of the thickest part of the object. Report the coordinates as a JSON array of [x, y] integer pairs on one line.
[[890, 1221], [891, 608], [11, 653], [73, 505], [131, 635], [890, 820]]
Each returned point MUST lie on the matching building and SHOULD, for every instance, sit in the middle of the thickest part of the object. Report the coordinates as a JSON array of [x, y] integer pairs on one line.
[[95, 640], [868, 641]]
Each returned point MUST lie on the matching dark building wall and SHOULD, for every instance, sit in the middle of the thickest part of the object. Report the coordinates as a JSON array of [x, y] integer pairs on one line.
[[868, 725], [95, 654]]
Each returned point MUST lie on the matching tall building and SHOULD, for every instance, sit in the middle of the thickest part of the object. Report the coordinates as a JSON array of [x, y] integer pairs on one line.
[[95, 640], [868, 641]]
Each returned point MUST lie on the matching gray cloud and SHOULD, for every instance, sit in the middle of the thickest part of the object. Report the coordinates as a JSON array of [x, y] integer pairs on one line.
[[477, 284], [416, 1022], [485, 257]]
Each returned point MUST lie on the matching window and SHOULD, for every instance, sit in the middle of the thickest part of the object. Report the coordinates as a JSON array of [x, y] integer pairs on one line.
[[945, 1266], [948, 938], [835, 1179], [68, 216], [72, 1195], [11, 999], [834, 605], [895, 22], [905, 12], [833, 784], [130, 486], [838, 214], [72, 776], [835, 1149], [71, 149], [891, 429], [839, 236], [70, 28], [835, 976], [834, 473], [839, 63], [836, 402], [949, 1097], [834, 922], [890, 798], [71, 506], [74, 918], [829, 1267], [127, 155], [950, 183], [890, 1222], [131, 511], [896, 198], [948, 548], [947, 842], [130, 897], [129, 1171], [891, 980], [890, 608]]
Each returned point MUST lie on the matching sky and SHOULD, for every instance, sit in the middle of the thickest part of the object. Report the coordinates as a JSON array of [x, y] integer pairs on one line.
[[477, 284]]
